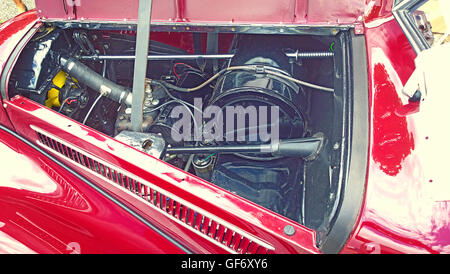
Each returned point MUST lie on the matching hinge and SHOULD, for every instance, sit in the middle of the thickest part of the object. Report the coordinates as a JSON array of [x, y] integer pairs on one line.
[[359, 28]]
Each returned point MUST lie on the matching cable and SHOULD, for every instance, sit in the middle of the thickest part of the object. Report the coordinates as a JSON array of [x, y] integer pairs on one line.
[[98, 98], [181, 102], [175, 66], [190, 112], [180, 89], [65, 101], [255, 158], [160, 106], [161, 84], [257, 69], [175, 101], [191, 159], [189, 163], [269, 70], [92, 107], [300, 81]]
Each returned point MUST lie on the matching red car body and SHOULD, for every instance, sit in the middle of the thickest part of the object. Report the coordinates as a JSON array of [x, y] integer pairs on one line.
[[45, 208]]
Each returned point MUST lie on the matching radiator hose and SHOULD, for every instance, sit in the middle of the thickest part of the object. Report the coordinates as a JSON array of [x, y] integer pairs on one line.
[[95, 81]]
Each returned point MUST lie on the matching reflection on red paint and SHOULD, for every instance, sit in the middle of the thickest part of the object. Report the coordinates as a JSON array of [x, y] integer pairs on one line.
[[376, 9], [174, 176], [15, 25], [93, 134], [440, 230], [392, 141], [408, 109], [65, 194]]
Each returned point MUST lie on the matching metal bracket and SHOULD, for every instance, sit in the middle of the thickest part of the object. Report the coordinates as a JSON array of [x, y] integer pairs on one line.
[[140, 64]]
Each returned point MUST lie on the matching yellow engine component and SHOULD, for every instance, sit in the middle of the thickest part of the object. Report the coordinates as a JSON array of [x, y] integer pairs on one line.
[[53, 94]]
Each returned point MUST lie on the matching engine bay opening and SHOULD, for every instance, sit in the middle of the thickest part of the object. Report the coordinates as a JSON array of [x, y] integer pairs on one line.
[[259, 115]]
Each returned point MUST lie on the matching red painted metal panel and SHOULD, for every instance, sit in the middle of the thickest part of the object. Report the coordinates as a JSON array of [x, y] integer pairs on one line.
[[335, 12], [407, 204], [45, 209], [376, 9], [205, 11], [4, 119], [240, 11], [109, 10], [12, 31]]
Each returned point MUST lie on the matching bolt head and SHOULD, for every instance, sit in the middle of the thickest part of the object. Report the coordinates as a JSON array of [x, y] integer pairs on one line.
[[289, 230], [336, 146]]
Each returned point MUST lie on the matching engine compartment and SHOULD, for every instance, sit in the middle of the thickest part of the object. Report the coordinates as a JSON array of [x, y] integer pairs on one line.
[[260, 115]]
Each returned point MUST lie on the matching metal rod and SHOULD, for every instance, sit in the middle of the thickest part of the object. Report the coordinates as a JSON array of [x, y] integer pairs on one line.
[[140, 66], [296, 55], [301, 147], [220, 149]]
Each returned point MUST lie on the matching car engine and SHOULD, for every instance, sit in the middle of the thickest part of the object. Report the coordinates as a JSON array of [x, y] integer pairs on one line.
[[245, 122]]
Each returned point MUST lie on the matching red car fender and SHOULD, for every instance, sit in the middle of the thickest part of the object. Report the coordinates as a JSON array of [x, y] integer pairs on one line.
[[46, 209], [406, 208]]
